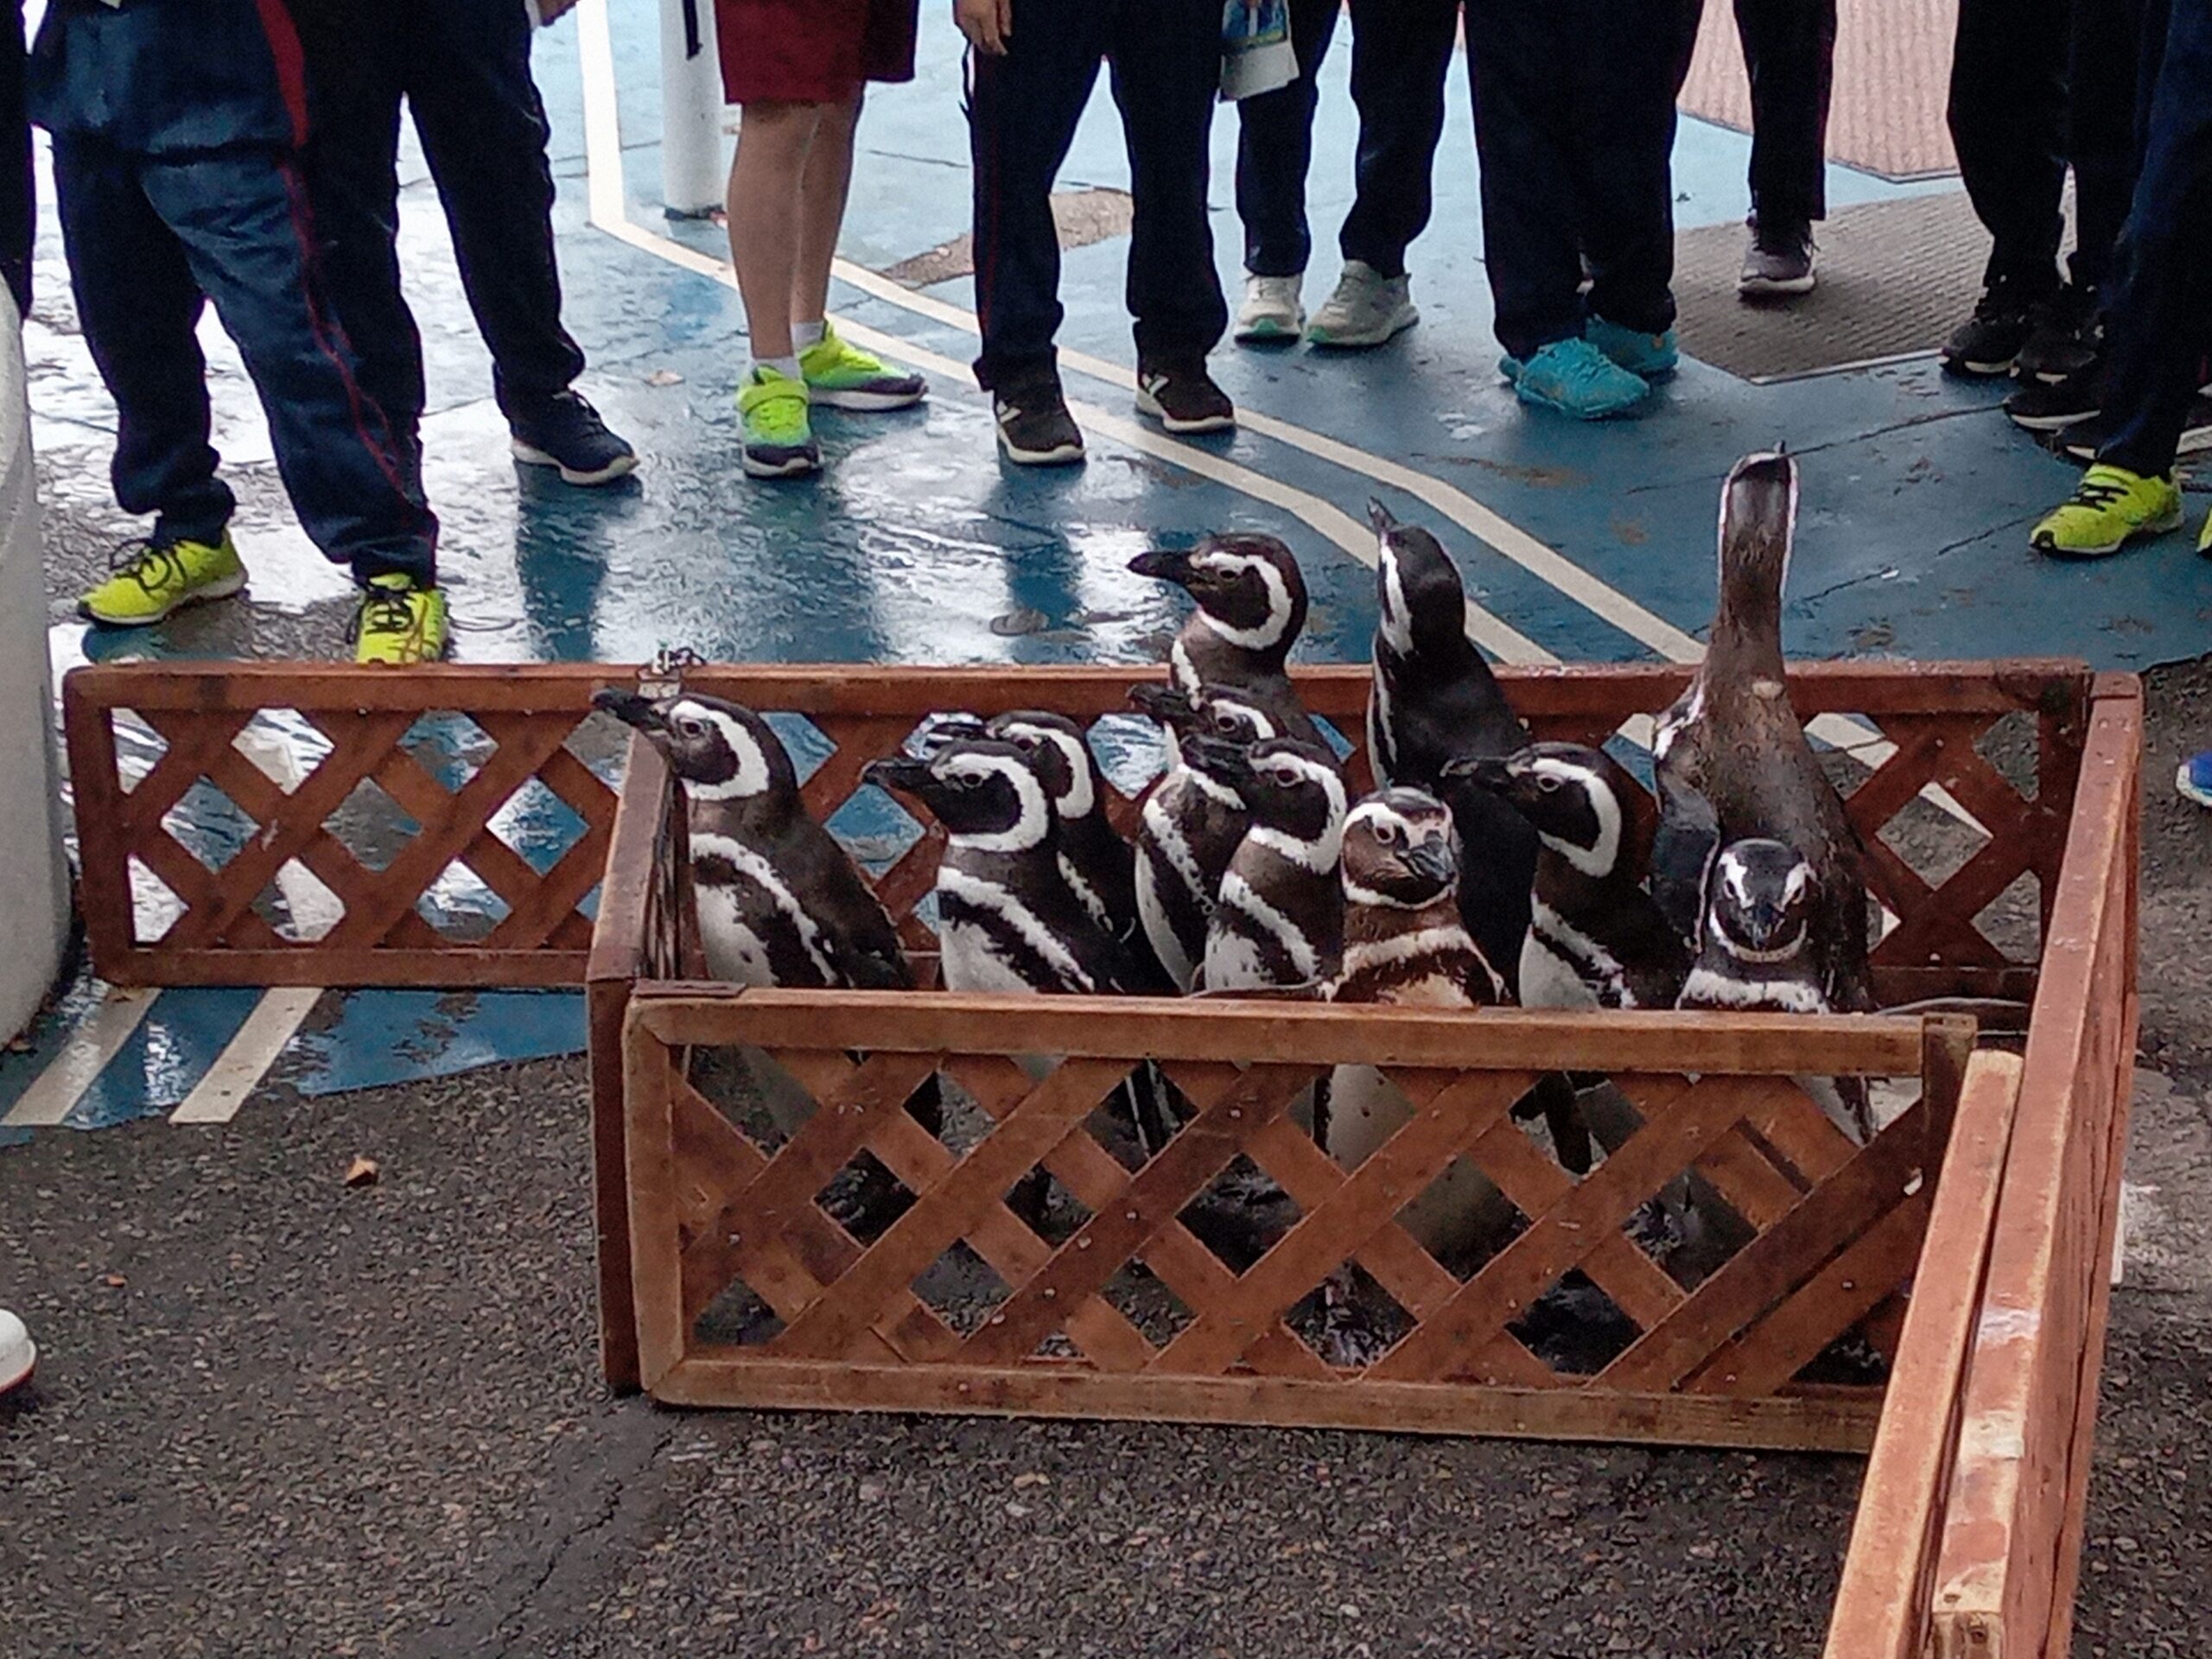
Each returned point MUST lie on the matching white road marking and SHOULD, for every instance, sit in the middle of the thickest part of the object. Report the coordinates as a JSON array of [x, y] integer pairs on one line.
[[245, 1060], [54, 1094]]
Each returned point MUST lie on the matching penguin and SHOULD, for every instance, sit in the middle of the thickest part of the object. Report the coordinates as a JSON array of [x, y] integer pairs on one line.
[[1758, 951], [1191, 823], [1404, 944], [779, 901], [1596, 938], [1731, 759], [1433, 700], [1278, 919], [1251, 608]]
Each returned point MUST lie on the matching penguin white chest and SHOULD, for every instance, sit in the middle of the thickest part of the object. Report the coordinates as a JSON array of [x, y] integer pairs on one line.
[[971, 959], [734, 947], [1549, 980], [1234, 962]]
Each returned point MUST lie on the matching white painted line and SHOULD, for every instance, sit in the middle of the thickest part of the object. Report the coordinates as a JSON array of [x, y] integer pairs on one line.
[[98, 1038], [245, 1060]]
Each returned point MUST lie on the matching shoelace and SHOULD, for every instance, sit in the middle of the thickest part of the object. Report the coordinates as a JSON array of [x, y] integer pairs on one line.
[[384, 610], [148, 562], [1585, 365], [2099, 493]]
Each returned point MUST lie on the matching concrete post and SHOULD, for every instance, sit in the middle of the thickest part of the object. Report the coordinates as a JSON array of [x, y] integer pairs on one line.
[[692, 170], [34, 874]]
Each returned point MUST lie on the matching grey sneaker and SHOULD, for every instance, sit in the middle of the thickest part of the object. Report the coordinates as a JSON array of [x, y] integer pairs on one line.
[[1272, 310], [1367, 308], [1778, 262]]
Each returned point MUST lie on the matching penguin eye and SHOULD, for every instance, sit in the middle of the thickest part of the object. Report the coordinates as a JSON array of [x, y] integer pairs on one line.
[[1386, 834], [1286, 777], [1025, 741], [1548, 783], [690, 727]]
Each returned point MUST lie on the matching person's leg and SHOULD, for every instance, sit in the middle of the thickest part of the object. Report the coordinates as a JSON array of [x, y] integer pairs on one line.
[[1022, 111], [138, 307], [1531, 240], [1274, 150], [2006, 114], [2106, 56], [484, 134], [766, 180], [1167, 76], [1400, 53], [1789, 49], [1623, 140], [240, 215]]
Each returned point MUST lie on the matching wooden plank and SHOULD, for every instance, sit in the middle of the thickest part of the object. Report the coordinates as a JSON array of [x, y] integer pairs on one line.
[[1882, 1605], [649, 1156], [1301, 1033], [606, 1002], [1998, 1573], [1797, 1423]]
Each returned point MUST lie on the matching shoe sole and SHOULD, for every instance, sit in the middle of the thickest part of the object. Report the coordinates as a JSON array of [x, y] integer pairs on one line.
[[866, 402], [2050, 423], [2163, 525], [1148, 406], [1271, 331], [531, 456], [1536, 402], [796, 467], [1978, 369], [1061, 454], [1367, 341], [1767, 288], [225, 588]]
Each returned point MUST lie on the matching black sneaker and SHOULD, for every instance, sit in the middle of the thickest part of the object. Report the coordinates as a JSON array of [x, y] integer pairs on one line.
[[1779, 262], [1179, 394], [566, 432], [2054, 405], [2066, 337], [2083, 440], [1035, 429], [1988, 343]]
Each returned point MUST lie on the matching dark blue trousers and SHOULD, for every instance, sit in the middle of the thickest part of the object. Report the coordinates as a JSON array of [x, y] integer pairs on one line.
[[2159, 316], [1575, 118], [151, 240], [1400, 53], [1164, 60], [1790, 54], [463, 68]]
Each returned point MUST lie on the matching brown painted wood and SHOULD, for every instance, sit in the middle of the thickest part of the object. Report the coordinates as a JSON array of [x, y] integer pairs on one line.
[[1881, 1609]]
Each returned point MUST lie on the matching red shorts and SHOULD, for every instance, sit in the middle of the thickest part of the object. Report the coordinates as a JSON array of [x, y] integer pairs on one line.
[[812, 51]]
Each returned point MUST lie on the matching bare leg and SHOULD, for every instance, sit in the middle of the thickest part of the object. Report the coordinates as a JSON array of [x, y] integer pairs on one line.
[[765, 217], [822, 211]]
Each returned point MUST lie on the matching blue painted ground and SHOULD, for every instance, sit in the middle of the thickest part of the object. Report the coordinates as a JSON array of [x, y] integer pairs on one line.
[[1918, 494]]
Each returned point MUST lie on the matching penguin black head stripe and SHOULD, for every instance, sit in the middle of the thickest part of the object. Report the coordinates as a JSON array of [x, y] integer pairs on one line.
[[1420, 604], [1249, 590], [985, 793], [1759, 899], [1576, 798], [1058, 752], [1294, 791], [1399, 851], [720, 751]]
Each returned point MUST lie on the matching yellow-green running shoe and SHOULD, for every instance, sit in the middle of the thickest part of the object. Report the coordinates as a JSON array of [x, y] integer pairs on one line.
[[841, 375], [153, 579], [2205, 537], [401, 622], [779, 437], [2110, 508]]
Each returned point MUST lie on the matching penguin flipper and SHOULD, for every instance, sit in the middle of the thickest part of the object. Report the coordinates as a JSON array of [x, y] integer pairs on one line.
[[1688, 837]]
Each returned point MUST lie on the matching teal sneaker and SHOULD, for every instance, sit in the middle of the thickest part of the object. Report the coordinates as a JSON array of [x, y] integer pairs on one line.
[[1572, 377], [1649, 356]]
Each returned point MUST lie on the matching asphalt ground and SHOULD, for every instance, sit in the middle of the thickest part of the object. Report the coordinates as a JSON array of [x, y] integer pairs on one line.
[[278, 1415]]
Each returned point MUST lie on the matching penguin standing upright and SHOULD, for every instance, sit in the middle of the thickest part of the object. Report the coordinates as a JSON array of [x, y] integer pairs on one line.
[[1596, 938], [1278, 918], [1731, 759], [1758, 952], [1251, 604], [1191, 824], [1405, 944], [1433, 700]]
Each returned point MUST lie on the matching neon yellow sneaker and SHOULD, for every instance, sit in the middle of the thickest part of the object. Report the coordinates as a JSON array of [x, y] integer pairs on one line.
[[2110, 508], [2205, 537], [151, 580], [778, 437], [843, 375], [400, 623]]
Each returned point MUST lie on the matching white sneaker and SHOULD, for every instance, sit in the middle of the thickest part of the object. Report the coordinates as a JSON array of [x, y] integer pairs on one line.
[[1367, 308], [17, 1353], [1273, 309]]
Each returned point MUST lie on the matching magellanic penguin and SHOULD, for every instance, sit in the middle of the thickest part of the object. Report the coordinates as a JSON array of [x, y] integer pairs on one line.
[[1731, 759], [1596, 938], [779, 901], [1433, 700], [1278, 918], [1250, 596], [1191, 824], [1756, 954], [1405, 945]]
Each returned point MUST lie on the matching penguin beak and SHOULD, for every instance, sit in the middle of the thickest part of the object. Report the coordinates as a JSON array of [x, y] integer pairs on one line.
[[1381, 517], [1161, 702], [1484, 772], [1431, 858], [1167, 564], [904, 773], [1218, 758], [633, 711]]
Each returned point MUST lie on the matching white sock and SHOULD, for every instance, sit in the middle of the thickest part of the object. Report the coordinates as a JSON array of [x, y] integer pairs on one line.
[[786, 366], [804, 334]]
